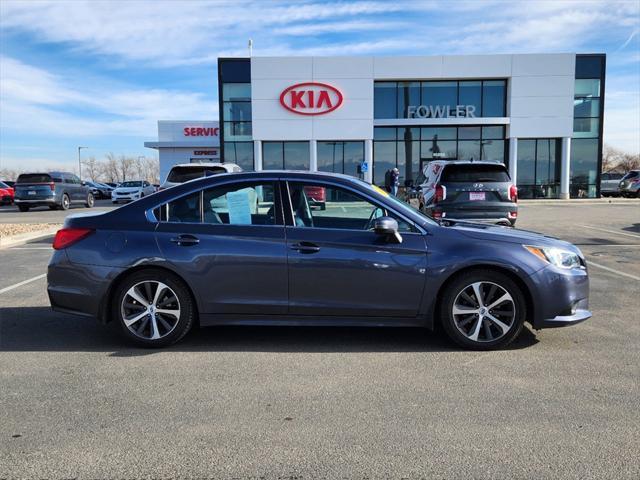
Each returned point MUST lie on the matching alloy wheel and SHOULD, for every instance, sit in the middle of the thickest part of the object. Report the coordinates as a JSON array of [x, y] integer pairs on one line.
[[65, 202], [484, 311], [150, 310]]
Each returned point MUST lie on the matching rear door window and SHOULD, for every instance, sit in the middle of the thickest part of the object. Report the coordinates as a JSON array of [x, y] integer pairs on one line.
[[184, 174], [34, 178], [475, 173]]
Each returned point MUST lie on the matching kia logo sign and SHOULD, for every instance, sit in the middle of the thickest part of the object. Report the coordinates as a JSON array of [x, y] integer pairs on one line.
[[311, 98]]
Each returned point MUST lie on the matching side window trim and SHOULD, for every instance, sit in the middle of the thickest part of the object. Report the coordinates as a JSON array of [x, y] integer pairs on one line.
[[290, 217]]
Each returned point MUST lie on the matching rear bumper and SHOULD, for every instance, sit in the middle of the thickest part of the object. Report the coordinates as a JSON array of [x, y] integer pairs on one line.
[[35, 202]]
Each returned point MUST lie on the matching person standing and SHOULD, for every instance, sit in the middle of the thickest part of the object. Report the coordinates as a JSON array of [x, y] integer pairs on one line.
[[395, 181]]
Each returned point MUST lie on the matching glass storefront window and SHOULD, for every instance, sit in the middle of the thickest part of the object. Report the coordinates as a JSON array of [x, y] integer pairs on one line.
[[384, 100], [493, 132], [586, 107], [438, 150], [240, 153], [584, 167], [240, 111], [384, 133], [236, 92], [438, 133], [493, 98], [384, 159], [589, 87], [237, 131], [408, 95], [272, 155], [440, 94], [469, 150], [340, 157], [296, 156], [492, 150], [470, 93], [469, 133], [586, 127], [539, 167]]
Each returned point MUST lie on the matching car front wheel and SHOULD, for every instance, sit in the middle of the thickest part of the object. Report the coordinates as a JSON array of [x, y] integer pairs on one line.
[[154, 308], [483, 310], [90, 201], [65, 203]]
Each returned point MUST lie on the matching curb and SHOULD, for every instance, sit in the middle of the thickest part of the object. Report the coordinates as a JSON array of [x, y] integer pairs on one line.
[[21, 239], [575, 201]]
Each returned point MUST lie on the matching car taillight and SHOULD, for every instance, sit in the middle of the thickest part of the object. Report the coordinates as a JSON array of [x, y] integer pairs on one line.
[[513, 193], [68, 236], [436, 215], [513, 214], [441, 193], [52, 186]]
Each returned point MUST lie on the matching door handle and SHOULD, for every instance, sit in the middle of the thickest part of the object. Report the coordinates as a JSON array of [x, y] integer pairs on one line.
[[185, 240], [305, 247]]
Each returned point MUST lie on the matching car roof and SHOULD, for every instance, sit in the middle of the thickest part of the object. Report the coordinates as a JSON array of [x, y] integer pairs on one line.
[[466, 162], [205, 164]]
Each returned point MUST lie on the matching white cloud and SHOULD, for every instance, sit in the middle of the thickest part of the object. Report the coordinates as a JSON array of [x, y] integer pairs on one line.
[[36, 100]]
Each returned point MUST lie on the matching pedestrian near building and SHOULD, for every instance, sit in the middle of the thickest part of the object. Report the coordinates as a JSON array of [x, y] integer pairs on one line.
[[395, 181]]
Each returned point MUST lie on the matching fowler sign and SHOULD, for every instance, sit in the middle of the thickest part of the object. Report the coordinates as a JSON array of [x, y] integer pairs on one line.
[[441, 111], [311, 98]]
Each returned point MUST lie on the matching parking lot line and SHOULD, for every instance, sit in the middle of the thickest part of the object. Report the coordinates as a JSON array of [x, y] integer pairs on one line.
[[24, 282], [613, 270], [612, 231]]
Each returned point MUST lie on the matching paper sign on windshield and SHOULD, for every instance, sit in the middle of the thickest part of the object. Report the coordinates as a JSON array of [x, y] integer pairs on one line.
[[239, 207]]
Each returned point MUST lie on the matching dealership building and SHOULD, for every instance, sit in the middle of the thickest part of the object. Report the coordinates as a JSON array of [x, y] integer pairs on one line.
[[541, 115]]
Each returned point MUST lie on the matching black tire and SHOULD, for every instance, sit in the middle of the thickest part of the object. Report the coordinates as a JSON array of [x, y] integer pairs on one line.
[[490, 277], [23, 208], [90, 200], [184, 303], [53, 207], [65, 203]]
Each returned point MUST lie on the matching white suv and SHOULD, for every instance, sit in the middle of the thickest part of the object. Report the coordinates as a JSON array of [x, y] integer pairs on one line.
[[184, 172], [133, 190]]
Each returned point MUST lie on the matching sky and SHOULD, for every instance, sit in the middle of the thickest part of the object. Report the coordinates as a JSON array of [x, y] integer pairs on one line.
[[101, 73]]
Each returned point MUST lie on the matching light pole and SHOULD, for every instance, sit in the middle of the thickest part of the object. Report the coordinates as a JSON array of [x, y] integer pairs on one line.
[[80, 163]]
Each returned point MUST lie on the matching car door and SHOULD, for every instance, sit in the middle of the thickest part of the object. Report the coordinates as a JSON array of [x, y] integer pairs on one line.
[[228, 243], [339, 267]]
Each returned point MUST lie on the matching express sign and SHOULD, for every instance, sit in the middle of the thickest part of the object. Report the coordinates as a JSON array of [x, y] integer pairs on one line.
[[311, 98], [200, 131]]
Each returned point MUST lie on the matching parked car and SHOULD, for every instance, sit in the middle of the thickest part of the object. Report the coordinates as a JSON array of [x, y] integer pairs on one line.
[[6, 194], [183, 172], [99, 190], [10, 183], [112, 184], [52, 189], [630, 184], [203, 252], [609, 182], [132, 190], [470, 191]]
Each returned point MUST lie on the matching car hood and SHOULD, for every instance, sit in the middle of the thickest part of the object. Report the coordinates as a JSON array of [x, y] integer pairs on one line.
[[511, 235]]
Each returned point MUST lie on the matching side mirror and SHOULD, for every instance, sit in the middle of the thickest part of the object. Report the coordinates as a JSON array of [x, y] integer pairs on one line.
[[388, 227]]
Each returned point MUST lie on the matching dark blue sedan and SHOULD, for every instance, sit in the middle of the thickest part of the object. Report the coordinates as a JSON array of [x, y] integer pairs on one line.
[[255, 248]]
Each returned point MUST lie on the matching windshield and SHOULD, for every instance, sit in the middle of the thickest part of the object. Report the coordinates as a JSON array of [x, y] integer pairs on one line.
[[399, 204], [131, 184], [475, 173], [631, 174], [3, 185], [184, 174]]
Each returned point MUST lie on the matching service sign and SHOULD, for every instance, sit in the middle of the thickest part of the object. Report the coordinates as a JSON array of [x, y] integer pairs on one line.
[[200, 131], [311, 98]]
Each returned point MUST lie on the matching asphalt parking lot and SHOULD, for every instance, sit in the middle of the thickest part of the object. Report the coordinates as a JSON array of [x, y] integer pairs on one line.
[[78, 402]]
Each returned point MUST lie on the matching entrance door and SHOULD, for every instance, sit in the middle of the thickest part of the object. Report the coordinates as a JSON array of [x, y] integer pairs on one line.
[[339, 266]]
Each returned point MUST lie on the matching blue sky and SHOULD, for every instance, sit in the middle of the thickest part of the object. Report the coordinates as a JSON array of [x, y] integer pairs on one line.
[[101, 73]]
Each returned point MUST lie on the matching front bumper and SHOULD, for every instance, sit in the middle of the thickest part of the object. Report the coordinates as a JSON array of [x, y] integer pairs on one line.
[[561, 297], [125, 197]]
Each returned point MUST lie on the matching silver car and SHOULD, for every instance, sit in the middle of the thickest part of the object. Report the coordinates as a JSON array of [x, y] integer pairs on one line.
[[183, 172], [609, 182], [630, 184]]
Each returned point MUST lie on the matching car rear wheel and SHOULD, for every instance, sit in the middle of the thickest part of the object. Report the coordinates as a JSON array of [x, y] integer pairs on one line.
[[65, 203], [154, 308], [90, 201], [483, 310]]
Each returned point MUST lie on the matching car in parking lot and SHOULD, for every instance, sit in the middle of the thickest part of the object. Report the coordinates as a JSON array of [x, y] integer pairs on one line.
[[132, 190], [469, 191], [6, 194], [184, 172], [51, 189], [609, 182], [99, 190], [247, 248], [629, 186]]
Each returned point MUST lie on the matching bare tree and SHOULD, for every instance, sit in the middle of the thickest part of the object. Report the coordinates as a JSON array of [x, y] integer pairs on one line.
[[92, 168], [611, 158], [126, 167], [630, 161], [110, 168], [9, 174]]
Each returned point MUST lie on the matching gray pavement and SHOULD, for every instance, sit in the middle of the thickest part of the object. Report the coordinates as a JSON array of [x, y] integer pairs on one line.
[[78, 402], [11, 214]]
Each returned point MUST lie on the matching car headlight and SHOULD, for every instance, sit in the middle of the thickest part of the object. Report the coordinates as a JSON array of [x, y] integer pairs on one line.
[[556, 256]]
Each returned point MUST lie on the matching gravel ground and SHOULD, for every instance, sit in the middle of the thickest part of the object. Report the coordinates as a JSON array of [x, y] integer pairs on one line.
[[10, 229]]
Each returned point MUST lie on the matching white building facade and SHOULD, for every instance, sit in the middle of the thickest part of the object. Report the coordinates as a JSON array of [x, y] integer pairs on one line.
[[541, 115], [186, 141]]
